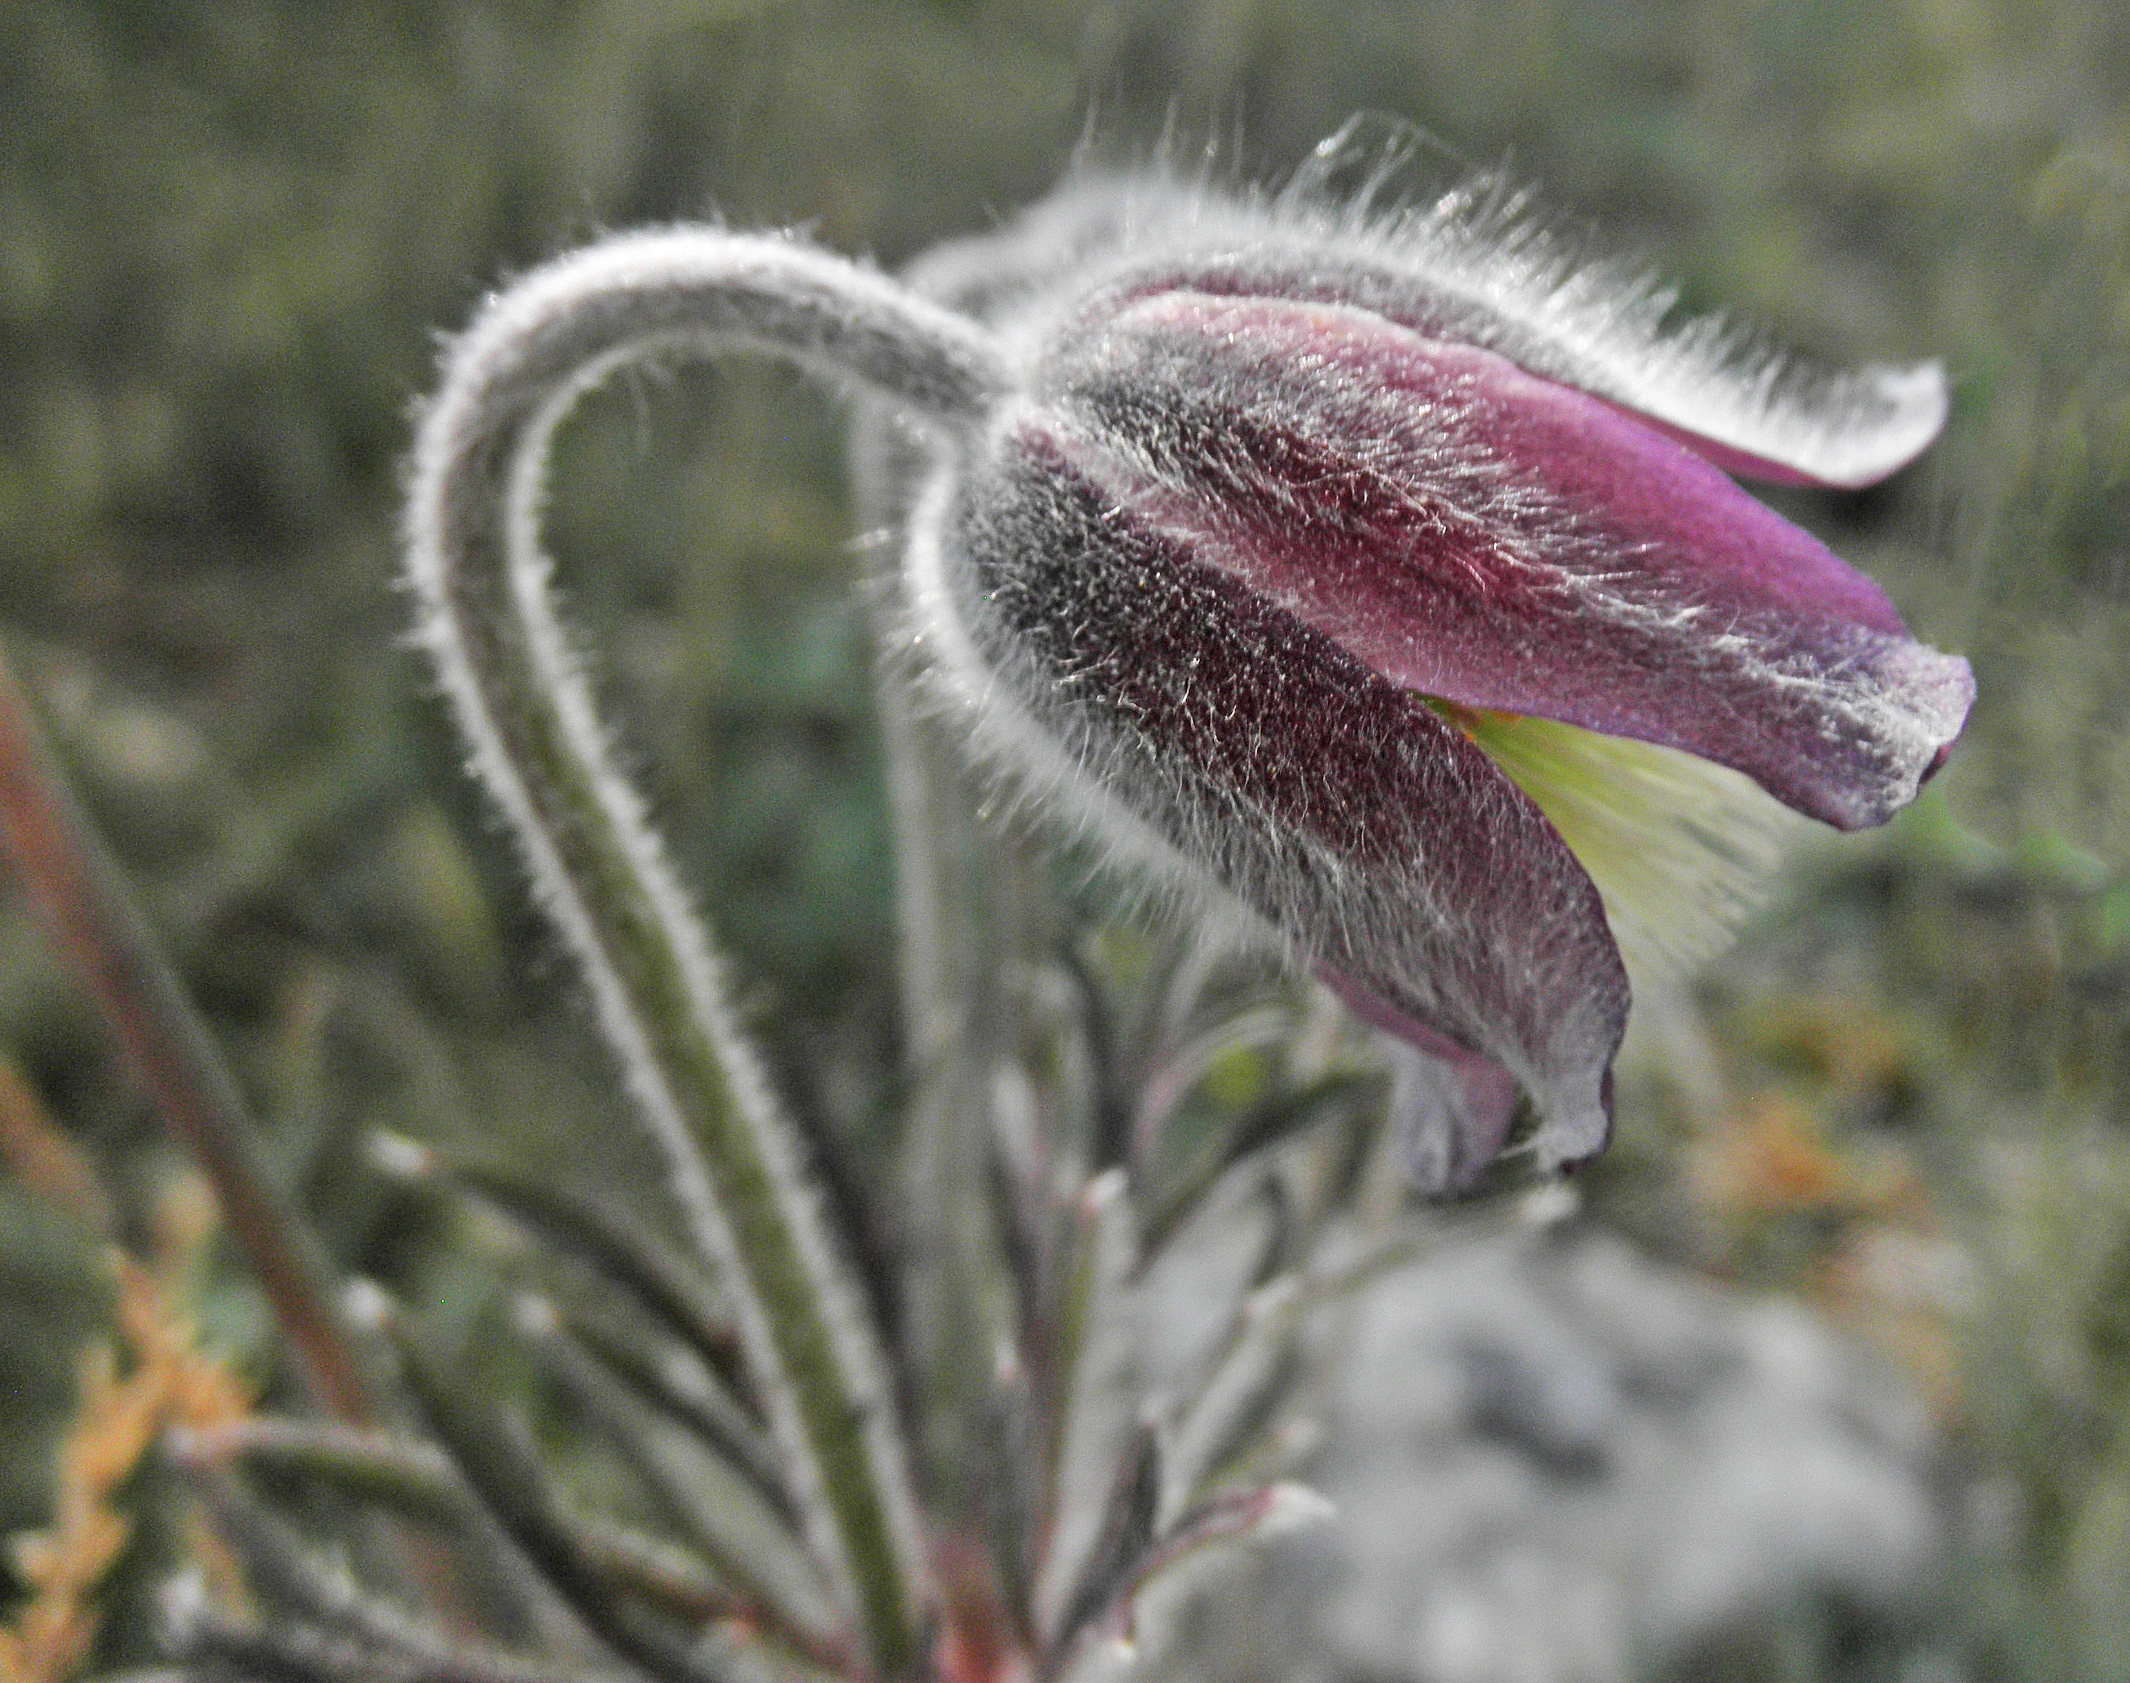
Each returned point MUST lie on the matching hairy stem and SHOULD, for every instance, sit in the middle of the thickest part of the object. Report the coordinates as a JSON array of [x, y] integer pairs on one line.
[[474, 556], [972, 915]]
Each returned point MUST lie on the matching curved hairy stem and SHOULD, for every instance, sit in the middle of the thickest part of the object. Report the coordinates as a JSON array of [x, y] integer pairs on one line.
[[474, 557]]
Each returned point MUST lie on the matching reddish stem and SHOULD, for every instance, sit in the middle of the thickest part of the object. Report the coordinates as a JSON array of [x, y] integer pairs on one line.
[[89, 913]]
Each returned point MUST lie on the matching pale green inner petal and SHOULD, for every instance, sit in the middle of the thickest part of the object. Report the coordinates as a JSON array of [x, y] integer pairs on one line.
[[1681, 850]]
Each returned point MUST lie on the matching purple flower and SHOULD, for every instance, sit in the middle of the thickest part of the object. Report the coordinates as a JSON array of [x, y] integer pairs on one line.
[[1390, 576]]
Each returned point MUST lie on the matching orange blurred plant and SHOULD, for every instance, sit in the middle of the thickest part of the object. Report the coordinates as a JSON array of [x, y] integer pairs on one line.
[[152, 1376]]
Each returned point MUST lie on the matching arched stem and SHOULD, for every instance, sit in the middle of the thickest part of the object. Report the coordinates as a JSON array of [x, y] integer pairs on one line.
[[474, 557]]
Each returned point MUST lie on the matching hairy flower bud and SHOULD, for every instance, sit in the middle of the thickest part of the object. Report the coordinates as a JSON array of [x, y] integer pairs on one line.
[[1390, 576]]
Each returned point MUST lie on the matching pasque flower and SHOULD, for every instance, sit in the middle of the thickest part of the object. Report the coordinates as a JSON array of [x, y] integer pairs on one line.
[[1390, 577], [1381, 575]]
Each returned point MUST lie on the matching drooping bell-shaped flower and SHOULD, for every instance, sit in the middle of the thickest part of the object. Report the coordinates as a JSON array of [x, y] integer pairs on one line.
[[1389, 576]]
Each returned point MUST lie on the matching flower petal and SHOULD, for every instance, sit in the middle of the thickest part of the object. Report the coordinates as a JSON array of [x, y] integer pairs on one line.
[[1466, 260], [1462, 1114], [1477, 245], [1473, 263], [1376, 837], [1875, 421], [1750, 413], [1681, 849], [1474, 532]]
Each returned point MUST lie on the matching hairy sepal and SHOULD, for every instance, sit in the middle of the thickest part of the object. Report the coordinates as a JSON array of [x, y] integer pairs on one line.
[[1467, 256], [1500, 540], [1181, 716]]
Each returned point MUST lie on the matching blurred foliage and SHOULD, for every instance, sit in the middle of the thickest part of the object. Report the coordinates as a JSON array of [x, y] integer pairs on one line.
[[230, 228]]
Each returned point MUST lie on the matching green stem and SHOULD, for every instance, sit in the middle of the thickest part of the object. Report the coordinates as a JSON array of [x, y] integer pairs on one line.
[[474, 557]]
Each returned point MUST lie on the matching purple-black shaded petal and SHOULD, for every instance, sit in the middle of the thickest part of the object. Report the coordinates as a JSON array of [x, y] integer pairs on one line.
[[1474, 532], [1478, 1095], [1383, 843]]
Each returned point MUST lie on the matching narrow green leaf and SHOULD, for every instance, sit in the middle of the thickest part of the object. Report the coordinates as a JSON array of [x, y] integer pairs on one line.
[[744, 1540], [1171, 1082], [286, 1652], [1088, 1376], [673, 1379], [1237, 1518], [507, 1475], [1126, 1534], [415, 1480], [619, 1246], [281, 1567], [418, 1481], [1237, 1398], [1282, 1117]]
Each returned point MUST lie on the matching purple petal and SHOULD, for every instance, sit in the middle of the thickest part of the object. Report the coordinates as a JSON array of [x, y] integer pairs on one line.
[[1475, 1096], [1476, 267], [1745, 464], [1385, 845], [1477, 533]]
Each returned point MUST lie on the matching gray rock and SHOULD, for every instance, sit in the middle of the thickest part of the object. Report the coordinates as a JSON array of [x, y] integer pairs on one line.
[[1555, 1462]]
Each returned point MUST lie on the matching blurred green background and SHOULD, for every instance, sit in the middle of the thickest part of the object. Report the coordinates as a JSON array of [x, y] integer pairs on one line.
[[230, 231]]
